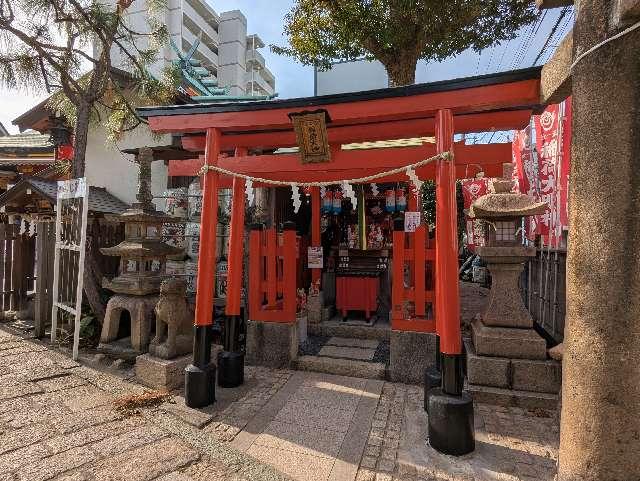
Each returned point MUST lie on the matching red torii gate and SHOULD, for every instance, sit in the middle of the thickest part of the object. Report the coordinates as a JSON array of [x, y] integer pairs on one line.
[[502, 101]]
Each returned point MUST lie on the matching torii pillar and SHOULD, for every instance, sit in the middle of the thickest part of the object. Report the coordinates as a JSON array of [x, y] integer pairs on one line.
[[451, 428], [600, 420], [200, 377]]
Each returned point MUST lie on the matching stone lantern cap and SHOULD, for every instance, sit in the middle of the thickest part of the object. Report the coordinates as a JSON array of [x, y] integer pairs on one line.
[[504, 204], [141, 215], [141, 248]]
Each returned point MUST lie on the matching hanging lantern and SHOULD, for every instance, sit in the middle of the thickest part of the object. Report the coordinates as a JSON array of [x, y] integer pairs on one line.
[[401, 200], [337, 202], [390, 200], [327, 202]]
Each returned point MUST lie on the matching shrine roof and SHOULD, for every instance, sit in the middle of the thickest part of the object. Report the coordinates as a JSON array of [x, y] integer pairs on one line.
[[100, 200]]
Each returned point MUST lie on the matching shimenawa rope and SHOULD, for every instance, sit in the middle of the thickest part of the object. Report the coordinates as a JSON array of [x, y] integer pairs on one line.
[[359, 180]]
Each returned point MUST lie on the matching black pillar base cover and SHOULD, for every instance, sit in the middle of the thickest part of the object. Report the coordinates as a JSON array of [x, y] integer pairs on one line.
[[200, 385], [230, 369], [451, 423], [432, 379]]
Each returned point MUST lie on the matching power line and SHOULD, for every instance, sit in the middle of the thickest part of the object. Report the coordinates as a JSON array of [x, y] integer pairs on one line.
[[564, 11], [525, 38]]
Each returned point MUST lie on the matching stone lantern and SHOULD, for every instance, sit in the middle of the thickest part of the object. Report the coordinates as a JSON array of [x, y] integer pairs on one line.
[[143, 257], [507, 363]]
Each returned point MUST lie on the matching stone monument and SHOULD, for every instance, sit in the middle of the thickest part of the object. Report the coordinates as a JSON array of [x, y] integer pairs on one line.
[[507, 361], [142, 268]]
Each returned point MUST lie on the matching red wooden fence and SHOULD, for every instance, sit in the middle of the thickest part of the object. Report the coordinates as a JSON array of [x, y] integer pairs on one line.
[[413, 286], [272, 274]]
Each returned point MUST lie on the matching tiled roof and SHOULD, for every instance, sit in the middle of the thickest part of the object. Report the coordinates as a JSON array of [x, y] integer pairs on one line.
[[100, 200], [26, 140]]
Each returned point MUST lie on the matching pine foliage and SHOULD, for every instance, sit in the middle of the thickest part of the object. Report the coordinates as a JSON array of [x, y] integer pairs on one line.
[[64, 47]]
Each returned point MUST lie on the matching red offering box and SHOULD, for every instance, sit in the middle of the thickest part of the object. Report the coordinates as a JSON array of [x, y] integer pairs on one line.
[[357, 294]]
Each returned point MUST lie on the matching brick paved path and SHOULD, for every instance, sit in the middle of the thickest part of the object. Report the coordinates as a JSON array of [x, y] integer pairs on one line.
[[58, 421]]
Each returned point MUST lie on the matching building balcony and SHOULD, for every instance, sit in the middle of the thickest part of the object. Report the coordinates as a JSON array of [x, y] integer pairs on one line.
[[255, 81], [203, 49], [196, 21], [255, 60]]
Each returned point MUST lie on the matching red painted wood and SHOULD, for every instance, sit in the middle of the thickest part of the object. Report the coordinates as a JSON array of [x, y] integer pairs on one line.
[[357, 294], [289, 275], [418, 270], [255, 273], [208, 235], [397, 286], [447, 303], [236, 246], [397, 129], [357, 163], [315, 228], [272, 274], [463, 101]]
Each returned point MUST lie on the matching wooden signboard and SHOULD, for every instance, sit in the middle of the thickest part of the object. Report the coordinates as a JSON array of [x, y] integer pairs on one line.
[[311, 136]]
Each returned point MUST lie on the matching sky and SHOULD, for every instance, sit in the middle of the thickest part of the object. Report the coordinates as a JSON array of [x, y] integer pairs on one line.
[[265, 17]]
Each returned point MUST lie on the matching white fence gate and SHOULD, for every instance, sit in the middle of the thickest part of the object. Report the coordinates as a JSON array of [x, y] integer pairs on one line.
[[72, 210]]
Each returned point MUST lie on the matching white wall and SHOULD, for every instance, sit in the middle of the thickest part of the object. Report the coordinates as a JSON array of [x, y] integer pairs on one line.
[[351, 77], [107, 167], [365, 75]]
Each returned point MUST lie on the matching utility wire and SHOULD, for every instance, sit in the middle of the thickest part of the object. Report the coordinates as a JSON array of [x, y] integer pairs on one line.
[[522, 47], [564, 12]]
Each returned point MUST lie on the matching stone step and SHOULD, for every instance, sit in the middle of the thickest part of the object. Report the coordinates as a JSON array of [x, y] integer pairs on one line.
[[511, 397], [342, 367], [352, 342], [378, 331]]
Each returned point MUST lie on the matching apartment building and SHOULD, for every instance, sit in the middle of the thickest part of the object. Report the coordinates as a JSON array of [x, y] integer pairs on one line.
[[232, 57]]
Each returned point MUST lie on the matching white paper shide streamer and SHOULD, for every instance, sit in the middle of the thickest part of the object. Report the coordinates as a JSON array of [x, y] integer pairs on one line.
[[248, 189], [374, 190], [417, 183], [323, 191], [295, 197], [347, 190]]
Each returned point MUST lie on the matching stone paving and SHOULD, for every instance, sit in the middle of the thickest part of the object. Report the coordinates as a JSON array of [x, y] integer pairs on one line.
[[58, 421]]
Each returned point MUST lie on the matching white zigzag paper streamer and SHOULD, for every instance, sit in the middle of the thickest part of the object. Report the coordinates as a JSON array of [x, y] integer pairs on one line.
[[23, 226], [248, 189], [347, 189], [414, 179], [32, 228], [374, 189], [323, 191], [295, 197]]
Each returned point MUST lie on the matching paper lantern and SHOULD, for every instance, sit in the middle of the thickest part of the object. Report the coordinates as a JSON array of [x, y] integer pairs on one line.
[[401, 200], [327, 202], [337, 202], [390, 200]]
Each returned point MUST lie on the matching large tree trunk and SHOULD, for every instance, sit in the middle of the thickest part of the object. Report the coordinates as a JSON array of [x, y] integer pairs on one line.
[[401, 70], [600, 421], [80, 133]]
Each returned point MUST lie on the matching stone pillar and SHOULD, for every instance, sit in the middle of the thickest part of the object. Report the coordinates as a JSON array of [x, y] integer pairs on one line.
[[600, 420], [144, 196]]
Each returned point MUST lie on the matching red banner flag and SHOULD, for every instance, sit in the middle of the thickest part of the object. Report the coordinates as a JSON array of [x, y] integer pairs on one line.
[[526, 171], [565, 163]]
